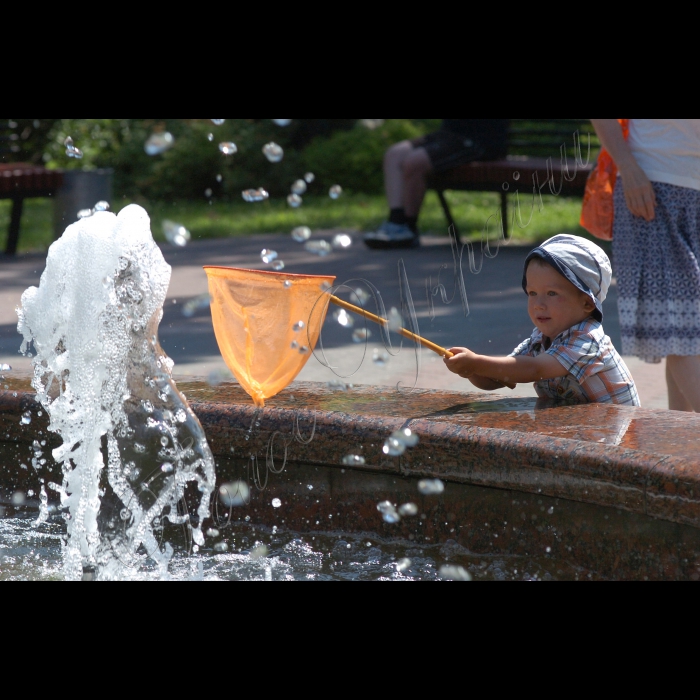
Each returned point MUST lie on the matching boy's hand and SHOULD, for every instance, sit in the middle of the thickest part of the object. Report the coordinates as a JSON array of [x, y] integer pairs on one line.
[[463, 362]]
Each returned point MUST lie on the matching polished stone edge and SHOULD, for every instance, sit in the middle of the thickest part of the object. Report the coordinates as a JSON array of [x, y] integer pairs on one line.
[[663, 487]]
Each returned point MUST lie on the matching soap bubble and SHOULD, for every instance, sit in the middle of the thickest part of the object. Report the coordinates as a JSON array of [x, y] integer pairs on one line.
[[228, 148], [219, 178], [516, 175], [221, 547], [299, 187], [372, 124], [393, 447], [167, 468], [213, 533], [403, 565], [26, 418], [335, 192], [431, 487], [268, 256], [273, 152], [218, 122], [85, 213], [5, 368], [18, 499], [298, 326], [408, 510], [176, 234], [278, 265], [234, 494], [309, 177], [361, 335], [294, 201], [389, 514], [208, 192], [342, 241], [159, 143], [210, 137], [276, 503], [320, 248], [301, 234], [325, 287], [102, 206], [380, 357], [354, 461], [294, 345], [344, 318], [303, 350], [288, 284], [259, 195], [454, 573], [282, 122], [361, 296], [338, 385]]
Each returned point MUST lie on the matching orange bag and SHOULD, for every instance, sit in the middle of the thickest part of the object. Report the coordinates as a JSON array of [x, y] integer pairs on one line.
[[267, 324], [598, 213]]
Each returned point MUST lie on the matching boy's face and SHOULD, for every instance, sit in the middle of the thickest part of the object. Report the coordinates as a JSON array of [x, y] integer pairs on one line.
[[554, 304]]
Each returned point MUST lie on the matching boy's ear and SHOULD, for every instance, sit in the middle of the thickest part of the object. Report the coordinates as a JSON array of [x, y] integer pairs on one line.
[[589, 305]]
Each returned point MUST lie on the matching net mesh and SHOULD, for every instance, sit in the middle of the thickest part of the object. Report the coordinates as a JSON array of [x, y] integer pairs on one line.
[[255, 314]]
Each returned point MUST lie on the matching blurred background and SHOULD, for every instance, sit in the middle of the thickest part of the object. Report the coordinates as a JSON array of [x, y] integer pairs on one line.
[[194, 183]]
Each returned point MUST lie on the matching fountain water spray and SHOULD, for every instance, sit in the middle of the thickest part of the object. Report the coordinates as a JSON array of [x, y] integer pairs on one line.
[[132, 448]]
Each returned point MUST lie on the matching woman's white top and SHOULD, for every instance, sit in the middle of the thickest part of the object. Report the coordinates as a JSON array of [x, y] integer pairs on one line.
[[668, 150]]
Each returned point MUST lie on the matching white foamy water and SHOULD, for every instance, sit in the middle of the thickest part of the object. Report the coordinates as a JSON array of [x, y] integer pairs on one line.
[[131, 444]]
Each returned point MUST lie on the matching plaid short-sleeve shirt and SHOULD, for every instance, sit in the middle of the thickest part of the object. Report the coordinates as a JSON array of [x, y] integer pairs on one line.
[[596, 372]]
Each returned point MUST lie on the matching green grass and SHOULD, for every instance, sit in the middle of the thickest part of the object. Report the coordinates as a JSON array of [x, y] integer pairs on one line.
[[353, 212]]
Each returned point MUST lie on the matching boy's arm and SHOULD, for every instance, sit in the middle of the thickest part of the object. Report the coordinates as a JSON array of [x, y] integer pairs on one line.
[[506, 370]]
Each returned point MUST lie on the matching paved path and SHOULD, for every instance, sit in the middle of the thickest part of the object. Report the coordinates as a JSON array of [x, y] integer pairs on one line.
[[496, 322]]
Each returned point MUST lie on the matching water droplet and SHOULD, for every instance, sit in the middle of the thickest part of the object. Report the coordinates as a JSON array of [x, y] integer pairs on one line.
[[344, 318], [273, 152], [408, 510], [125, 514], [208, 192], [431, 487], [26, 418], [551, 511], [147, 406], [276, 503], [219, 178], [176, 234], [380, 357], [342, 241], [403, 565], [516, 175], [309, 177], [18, 499], [393, 447], [210, 137], [268, 256], [213, 533], [335, 192], [259, 552], [299, 326], [287, 284], [354, 461], [310, 487], [506, 186], [294, 201], [181, 416], [320, 248], [5, 368], [337, 385], [164, 441], [140, 449], [228, 148], [361, 335], [407, 437], [102, 206], [454, 573], [295, 345], [159, 143], [299, 187], [389, 514], [549, 550], [301, 234], [235, 494], [221, 547], [259, 195], [303, 350], [167, 468], [278, 265]]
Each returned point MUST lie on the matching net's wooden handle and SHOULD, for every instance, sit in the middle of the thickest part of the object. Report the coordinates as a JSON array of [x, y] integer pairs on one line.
[[383, 322]]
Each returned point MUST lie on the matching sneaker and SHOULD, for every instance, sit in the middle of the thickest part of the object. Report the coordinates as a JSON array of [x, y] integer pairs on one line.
[[390, 235]]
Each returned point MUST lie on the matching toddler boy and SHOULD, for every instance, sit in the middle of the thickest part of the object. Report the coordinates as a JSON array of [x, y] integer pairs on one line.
[[568, 356]]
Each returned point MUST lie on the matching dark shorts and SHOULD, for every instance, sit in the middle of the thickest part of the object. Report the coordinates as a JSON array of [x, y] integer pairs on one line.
[[448, 150]]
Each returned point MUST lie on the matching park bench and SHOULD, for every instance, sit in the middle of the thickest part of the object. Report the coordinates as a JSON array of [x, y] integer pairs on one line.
[[20, 181], [549, 155]]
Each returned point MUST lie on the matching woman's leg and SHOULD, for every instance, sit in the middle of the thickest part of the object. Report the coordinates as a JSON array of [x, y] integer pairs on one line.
[[416, 168], [393, 173], [683, 377]]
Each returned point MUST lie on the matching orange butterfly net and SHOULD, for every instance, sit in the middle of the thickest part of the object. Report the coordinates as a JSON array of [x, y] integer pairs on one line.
[[267, 324]]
